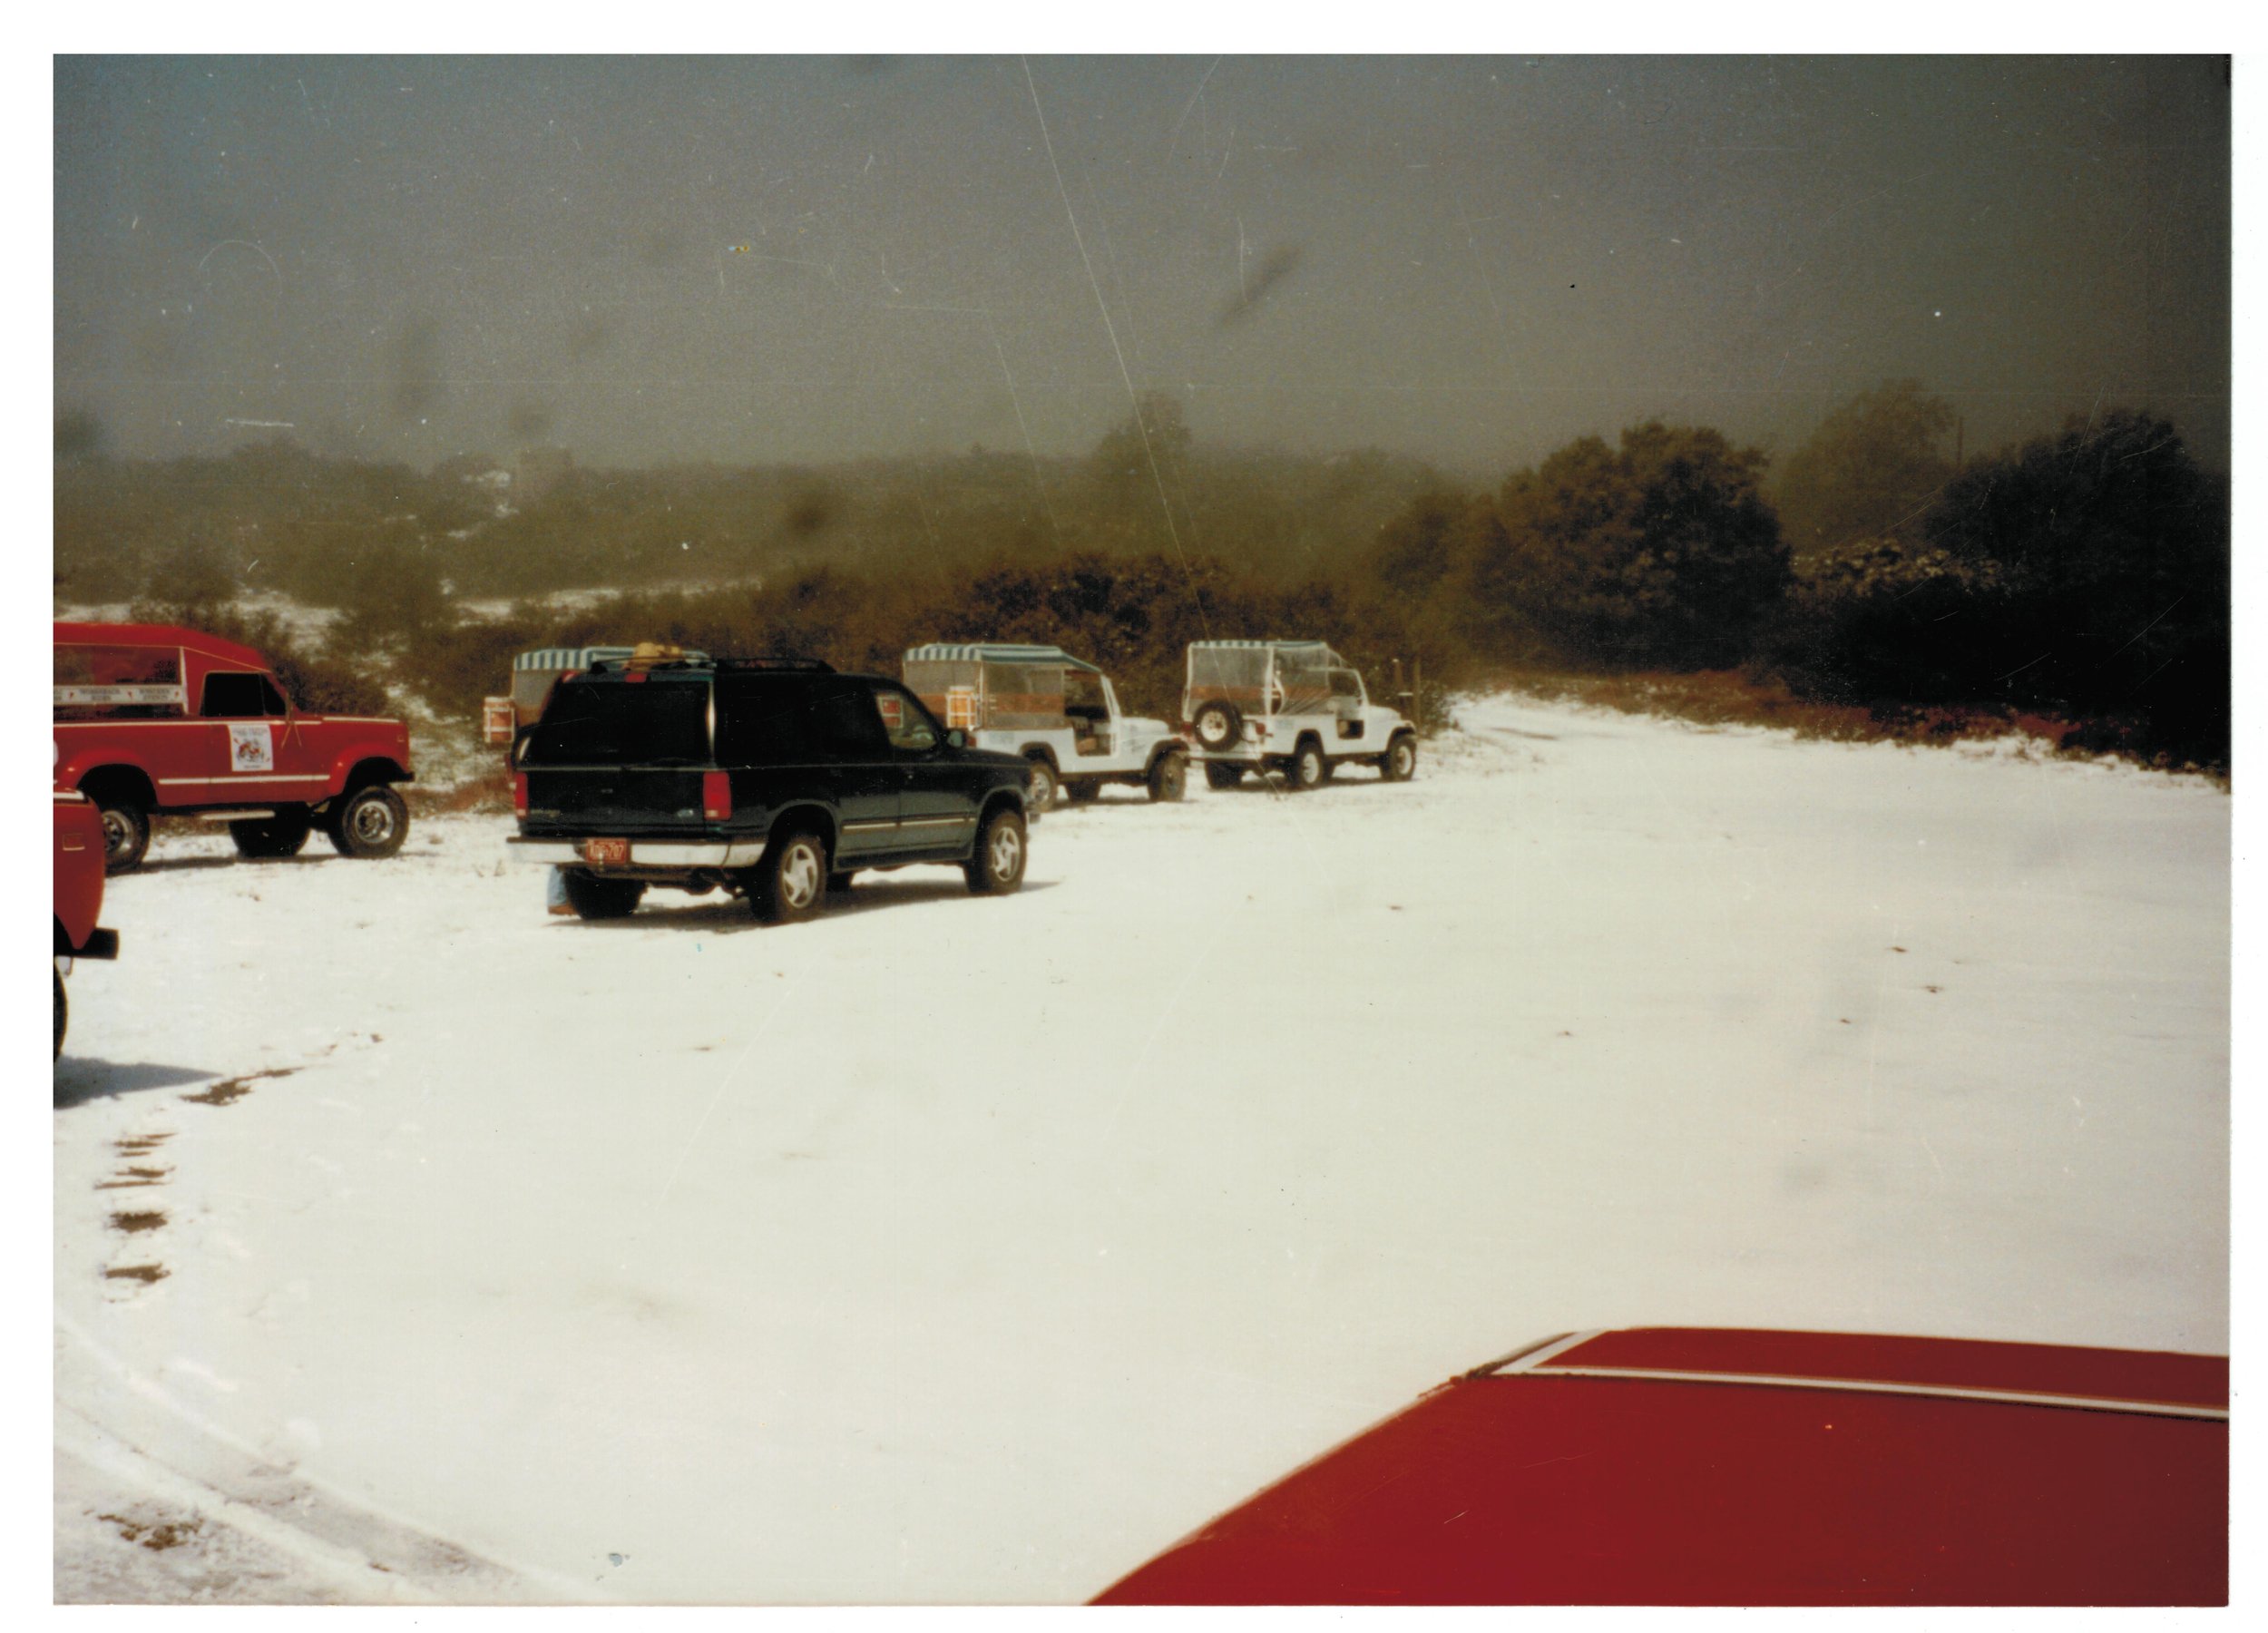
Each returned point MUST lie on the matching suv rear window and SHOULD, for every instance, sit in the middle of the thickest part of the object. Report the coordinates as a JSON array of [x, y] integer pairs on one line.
[[658, 722]]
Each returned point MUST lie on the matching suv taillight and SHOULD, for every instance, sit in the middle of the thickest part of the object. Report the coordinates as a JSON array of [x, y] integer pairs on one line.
[[519, 793], [716, 796]]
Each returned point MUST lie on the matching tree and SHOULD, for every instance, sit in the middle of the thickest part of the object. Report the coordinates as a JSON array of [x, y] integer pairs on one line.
[[1659, 551], [1869, 471]]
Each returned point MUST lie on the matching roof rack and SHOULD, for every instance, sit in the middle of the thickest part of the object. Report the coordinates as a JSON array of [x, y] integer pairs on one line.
[[809, 666]]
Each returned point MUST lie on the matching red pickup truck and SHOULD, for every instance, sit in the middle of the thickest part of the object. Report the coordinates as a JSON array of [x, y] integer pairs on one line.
[[154, 719], [78, 894]]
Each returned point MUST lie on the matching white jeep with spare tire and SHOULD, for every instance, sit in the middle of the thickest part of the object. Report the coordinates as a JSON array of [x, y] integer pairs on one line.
[[1293, 707], [1059, 712]]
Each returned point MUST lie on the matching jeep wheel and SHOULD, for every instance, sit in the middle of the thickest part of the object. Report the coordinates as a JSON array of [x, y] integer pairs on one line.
[[281, 834], [1305, 770], [593, 897], [1168, 776], [1218, 725], [791, 879], [997, 868], [1399, 763], [369, 823], [1218, 775], [1040, 790], [125, 835]]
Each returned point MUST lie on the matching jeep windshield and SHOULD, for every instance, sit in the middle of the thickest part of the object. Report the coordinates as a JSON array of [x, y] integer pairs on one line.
[[663, 721]]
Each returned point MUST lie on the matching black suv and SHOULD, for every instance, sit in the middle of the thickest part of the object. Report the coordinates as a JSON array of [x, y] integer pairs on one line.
[[777, 780]]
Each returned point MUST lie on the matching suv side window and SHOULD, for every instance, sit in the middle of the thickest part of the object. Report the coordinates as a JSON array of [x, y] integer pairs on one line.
[[905, 720], [240, 697], [765, 720], [845, 722]]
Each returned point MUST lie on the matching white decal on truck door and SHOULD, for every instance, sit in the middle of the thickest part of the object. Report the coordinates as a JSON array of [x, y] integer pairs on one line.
[[250, 746]]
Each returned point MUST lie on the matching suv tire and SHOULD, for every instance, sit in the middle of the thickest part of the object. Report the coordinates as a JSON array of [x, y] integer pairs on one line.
[[125, 835], [1307, 769], [1218, 725], [273, 837], [1218, 775], [791, 880], [1168, 776], [1399, 763], [368, 824], [996, 868]]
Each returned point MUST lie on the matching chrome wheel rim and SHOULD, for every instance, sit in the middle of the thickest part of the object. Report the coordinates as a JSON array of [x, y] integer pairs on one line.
[[117, 832], [1404, 758], [372, 821], [1007, 851], [799, 875], [1043, 786]]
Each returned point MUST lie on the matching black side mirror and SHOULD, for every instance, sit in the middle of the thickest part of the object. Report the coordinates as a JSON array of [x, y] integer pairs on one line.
[[957, 738]]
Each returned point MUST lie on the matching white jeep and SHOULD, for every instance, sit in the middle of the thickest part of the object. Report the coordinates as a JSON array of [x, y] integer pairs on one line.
[[1057, 711], [1295, 707]]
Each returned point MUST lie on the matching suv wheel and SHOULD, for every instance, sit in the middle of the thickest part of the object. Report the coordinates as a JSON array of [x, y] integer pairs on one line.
[[997, 868], [791, 879], [593, 897], [1168, 776], [369, 823], [1399, 763], [1218, 775], [125, 835], [281, 834], [1217, 726], [1305, 770], [1040, 790]]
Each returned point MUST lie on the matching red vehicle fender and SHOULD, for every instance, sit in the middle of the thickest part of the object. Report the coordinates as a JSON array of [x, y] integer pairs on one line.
[[79, 879]]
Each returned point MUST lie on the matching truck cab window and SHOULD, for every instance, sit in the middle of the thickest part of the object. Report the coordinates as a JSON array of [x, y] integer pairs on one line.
[[236, 695]]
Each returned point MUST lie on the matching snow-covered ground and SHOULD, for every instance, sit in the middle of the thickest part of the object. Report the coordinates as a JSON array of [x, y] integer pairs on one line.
[[947, 1249]]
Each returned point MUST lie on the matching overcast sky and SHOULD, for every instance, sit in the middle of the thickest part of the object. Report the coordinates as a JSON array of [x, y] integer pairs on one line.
[[1470, 260]]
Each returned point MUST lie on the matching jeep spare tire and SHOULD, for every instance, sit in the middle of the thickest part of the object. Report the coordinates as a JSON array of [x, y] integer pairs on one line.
[[1219, 727]]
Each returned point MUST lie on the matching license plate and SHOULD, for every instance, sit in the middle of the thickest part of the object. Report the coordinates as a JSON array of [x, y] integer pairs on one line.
[[606, 852]]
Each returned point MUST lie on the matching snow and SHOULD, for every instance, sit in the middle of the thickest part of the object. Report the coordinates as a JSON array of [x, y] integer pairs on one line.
[[948, 1249]]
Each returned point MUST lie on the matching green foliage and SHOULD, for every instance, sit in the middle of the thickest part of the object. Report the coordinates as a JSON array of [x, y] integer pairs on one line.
[[1871, 471], [1659, 550]]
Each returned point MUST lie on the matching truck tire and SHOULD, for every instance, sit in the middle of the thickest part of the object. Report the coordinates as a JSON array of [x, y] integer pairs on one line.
[[593, 897], [125, 833], [369, 823], [1041, 784], [1307, 769], [1218, 725], [1168, 776], [791, 880], [1399, 763], [269, 837], [996, 868], [1221, 775]]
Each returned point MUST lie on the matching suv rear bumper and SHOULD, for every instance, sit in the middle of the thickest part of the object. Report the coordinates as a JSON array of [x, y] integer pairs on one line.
[[643, 853]]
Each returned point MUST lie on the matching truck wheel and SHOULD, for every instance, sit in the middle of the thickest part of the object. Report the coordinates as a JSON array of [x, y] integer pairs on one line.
[[281, 834], [593, 897], [1218, 725], [369, 823], [997, 868], [1399, 763], [1040, 790], [791, 879], [63, 1009], [1305, 770], [1220, 776], [1168, 776], [1085, 791], [125, 835]]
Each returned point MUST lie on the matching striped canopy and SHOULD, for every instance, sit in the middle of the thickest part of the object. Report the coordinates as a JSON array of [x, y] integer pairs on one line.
[[994, 652]]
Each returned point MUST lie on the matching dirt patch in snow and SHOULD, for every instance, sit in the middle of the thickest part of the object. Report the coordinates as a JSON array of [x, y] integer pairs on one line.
[[139, 1221], [160, 1535], [230, 1091], [145, 1274]]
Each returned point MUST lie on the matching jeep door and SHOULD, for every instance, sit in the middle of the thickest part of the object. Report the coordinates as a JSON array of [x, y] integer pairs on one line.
[[938, 813]]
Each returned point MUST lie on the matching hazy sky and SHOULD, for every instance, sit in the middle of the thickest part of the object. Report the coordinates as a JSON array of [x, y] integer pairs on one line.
[[1472, 260]]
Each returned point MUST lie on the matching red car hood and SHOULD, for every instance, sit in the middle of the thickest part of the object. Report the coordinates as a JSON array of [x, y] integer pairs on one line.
[[1689, 1466]]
